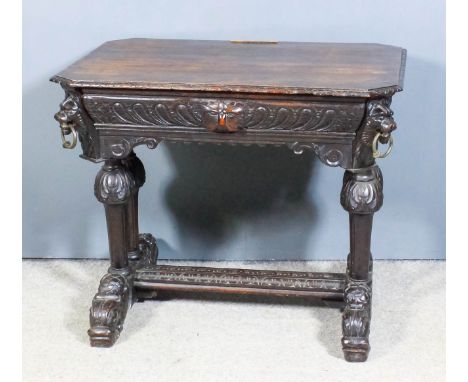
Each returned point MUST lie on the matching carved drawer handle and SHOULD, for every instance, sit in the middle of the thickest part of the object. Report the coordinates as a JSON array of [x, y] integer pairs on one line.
[[67, 129], [375, 146], [66, 116], [223, 117]]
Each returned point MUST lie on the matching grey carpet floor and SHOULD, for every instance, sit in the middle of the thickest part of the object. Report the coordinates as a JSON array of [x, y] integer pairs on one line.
[[188, 339]]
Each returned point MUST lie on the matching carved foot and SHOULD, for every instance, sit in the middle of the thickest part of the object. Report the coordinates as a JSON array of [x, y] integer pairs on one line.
[[356, 321], [148, 249], [108, 309]]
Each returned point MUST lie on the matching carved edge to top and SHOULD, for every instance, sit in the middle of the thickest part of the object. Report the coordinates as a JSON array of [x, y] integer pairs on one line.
[[317, 92]]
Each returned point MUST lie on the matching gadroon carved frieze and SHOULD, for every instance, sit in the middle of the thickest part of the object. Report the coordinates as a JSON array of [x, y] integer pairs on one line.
[[223, 115]]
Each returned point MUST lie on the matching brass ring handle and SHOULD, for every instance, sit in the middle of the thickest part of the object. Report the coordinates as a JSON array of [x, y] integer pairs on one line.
[[375, 146], [66, 130]]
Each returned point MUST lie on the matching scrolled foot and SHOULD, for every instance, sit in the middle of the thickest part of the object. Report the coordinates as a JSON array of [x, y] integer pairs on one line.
[[108, 310], [356, 321], [356, 355], [148, 249]]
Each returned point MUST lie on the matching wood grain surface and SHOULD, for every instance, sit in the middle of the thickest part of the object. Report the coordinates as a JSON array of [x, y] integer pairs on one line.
[[323, 69]]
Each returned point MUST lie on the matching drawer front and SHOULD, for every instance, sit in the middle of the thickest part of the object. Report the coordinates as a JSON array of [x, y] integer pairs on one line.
[[224, 115]]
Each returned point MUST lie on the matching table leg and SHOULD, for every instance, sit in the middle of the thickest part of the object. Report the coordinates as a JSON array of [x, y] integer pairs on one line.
[[114, 187], [361, 196], [135, 166], [142, 248]]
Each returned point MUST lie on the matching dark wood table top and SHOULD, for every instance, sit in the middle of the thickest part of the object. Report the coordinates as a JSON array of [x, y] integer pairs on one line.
[[322, 69]]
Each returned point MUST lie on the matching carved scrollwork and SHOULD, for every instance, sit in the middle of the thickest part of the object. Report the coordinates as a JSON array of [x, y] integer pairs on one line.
[[362, 191], [331, 155], [114, 183], [122, 147], [356, 320], [72, 114], [108, 310]]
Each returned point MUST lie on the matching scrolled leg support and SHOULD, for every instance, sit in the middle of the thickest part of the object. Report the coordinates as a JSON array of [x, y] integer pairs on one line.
[[114, 188], [148, 249], [108, 309], [356, 320]]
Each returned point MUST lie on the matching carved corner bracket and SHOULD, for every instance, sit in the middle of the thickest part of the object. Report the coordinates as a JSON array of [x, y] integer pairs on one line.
[[122, 147], [332, 155]]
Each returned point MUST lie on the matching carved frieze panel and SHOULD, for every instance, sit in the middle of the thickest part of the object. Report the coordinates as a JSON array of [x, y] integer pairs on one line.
[[224, 115]]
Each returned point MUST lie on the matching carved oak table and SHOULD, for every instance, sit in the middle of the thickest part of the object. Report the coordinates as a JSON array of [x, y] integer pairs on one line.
[[333, 99]]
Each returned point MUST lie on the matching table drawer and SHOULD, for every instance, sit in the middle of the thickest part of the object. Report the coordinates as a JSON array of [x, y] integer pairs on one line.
[[224, 115]]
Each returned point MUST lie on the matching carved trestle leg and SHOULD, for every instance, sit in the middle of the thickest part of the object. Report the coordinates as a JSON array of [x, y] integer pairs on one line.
[[361, 196], [142, 248], [114, 187]]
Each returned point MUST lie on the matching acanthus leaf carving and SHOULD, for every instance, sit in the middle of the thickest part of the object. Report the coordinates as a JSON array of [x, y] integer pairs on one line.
[[108, 309], [114, 183], [362, 191]]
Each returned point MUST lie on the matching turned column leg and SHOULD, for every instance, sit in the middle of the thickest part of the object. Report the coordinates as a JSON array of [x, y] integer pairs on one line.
[[135, 166], [114, 187], [361, 196]]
